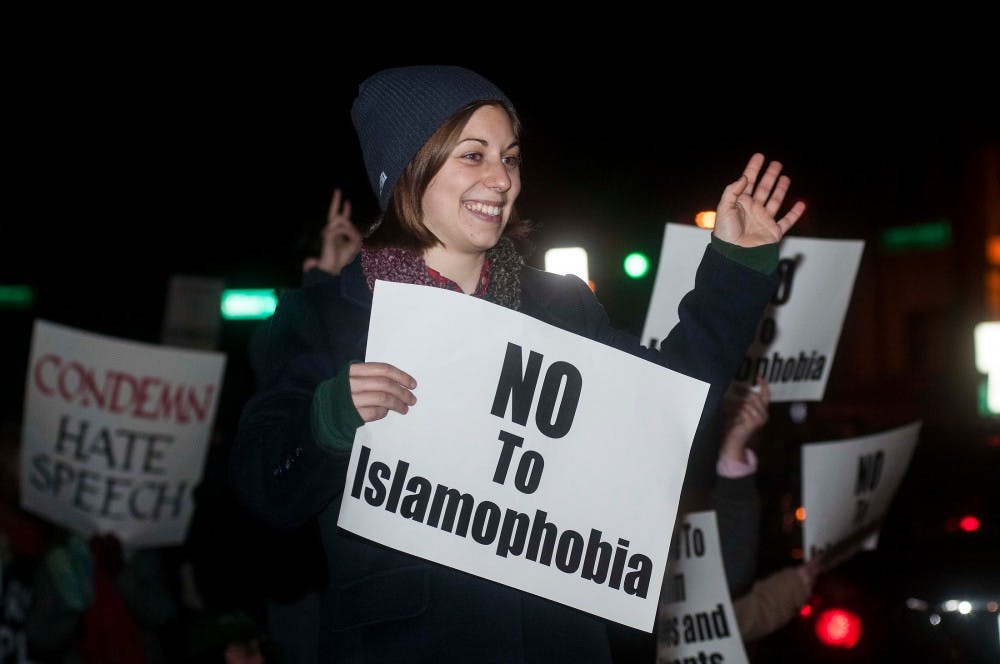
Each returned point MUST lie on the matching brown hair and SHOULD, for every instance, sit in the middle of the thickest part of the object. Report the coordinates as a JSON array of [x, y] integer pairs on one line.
[[401, 225]]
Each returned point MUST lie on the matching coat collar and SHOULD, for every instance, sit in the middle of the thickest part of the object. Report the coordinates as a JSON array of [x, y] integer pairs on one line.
[[353, 286]]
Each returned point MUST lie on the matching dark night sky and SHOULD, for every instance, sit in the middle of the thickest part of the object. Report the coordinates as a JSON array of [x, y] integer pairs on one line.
[[133, 161]]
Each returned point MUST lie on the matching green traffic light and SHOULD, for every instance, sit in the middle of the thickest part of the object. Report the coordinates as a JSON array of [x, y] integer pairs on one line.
[[248, 304], [636, 265], [16, 296]]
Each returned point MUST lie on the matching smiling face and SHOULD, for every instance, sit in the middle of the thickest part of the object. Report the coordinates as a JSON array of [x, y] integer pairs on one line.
[[469, 200]]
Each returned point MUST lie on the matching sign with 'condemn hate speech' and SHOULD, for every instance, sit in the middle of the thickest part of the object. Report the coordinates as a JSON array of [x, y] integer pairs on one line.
[[115, 433]]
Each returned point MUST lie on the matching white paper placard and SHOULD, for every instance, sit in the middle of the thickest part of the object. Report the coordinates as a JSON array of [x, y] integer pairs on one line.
[[847, 488], [696, 621], [534, 457], [115, 433], [797, 336]]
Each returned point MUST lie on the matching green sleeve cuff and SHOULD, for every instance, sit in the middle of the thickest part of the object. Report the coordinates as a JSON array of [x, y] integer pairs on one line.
[[335, 419], [763, 259]]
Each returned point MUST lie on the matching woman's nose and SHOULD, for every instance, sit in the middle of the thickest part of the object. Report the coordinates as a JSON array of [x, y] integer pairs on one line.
[[498, 178]]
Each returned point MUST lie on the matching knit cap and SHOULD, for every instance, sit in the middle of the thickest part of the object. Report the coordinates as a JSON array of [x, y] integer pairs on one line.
[[398, 109]]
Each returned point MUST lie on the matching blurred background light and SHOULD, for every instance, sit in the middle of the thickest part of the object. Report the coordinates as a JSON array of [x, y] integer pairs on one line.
[[839, 628], [798, 411], [16, 296], [705, 219], [987, 346], [936, 235], [636, 265], [248, 304], [568, 260], [969, 523]]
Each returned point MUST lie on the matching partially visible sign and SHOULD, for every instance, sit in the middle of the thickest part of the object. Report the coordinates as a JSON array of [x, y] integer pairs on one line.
[[115, 433], [696, 622], [797, 336], [847, 488]]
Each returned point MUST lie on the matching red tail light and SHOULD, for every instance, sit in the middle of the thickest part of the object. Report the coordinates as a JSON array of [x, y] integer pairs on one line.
[[969, 523], [838, 628]]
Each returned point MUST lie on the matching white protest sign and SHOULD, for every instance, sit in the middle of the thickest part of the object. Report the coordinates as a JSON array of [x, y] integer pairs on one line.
[[847, 488], [797, 336], [696, 621], [533, 457], [115, 433]]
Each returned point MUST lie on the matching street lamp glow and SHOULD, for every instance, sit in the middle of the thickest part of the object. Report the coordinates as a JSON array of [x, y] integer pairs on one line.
[[567, 260]]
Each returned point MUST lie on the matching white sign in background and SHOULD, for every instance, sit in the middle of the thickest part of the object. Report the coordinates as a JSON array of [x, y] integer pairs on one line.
[[115, 433], [797, 338], [696, 621], [582, 479], [848, 486]]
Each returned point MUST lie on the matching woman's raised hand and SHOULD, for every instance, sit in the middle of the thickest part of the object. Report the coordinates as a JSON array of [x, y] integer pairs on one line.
[[747, 211]]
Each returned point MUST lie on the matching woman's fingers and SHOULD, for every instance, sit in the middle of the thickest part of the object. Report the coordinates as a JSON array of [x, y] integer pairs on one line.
[[378, 387], [778, 195], [786, 222], [752, 170], [383, 370]]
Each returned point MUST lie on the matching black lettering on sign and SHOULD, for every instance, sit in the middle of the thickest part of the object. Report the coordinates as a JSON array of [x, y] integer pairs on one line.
[[515, 387], [786, 271], [687, 542], [768, 330], [860, 510], [108, 496], [705, 626], [673, 589], [869, 472], [557, 402], [529, 466]]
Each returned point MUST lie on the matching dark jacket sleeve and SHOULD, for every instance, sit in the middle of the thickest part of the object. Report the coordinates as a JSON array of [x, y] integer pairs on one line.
[[717, 322], [737, 510], [277, 469]]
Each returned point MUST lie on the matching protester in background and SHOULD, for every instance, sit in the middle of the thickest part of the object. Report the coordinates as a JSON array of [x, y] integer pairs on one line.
[[24, 540], [242, 571], [225, 637], [67, 598], [338, 244], [442, 149], [339, 241], [295, 565], [97, 601], [770, 602], [734, 495], [761, 605]]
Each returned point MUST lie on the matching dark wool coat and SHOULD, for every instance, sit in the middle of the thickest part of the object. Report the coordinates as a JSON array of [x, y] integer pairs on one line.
[[386, 606]]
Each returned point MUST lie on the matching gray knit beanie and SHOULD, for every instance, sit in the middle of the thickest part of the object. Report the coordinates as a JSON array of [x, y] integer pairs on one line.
[[398, 109]]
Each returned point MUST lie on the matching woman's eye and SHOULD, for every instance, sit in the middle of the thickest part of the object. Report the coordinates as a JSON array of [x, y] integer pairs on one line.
[[513, 161], [472, 156]]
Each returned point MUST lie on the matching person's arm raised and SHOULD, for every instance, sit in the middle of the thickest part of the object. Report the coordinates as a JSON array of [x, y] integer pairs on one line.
[[747, 212]]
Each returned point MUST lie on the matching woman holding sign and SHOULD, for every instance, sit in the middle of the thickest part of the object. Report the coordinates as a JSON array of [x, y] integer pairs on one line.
[[442, 150]]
